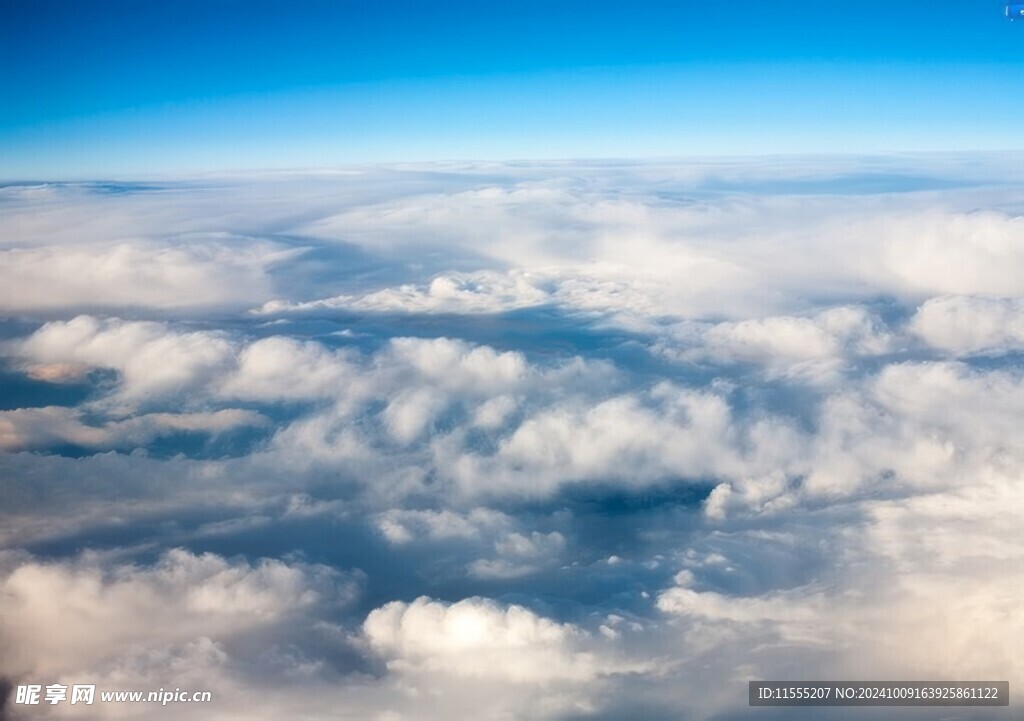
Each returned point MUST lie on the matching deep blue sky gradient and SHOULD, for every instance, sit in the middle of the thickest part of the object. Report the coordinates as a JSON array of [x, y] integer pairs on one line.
[[138, 86]]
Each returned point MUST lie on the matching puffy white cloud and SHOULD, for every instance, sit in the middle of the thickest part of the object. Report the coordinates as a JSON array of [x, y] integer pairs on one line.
[[401, 526], [866, 488], [933, 576], [507, 550], [152, 359], [501, 661], [955, 559], [283, 369], [963, 325], [811, 348], [510, 660], [601, 289], [519, 554], [794, 615], [478, 292], [456, 364], [937, 252], [636, 238], [477, 638], [922, 425], [399, 396], [137, 275], [72, 616], [924, 461], [579, 242], [666, 434], [767, 493], [494, 412]]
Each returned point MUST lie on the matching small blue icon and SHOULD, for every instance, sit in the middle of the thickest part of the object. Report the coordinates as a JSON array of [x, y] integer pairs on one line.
[[1015, 11]]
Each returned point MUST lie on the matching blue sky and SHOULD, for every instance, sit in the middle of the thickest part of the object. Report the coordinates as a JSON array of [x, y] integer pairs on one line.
[[143, 87], [552, 440]]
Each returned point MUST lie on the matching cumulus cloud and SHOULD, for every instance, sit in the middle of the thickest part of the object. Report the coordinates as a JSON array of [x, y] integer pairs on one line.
[[944, 550], [283, 369], [407, 392], [963, 325], [665, 434], [912, 570], [519, 554], [400, 526], [599, 291], [588, 246], [479, 292], [946, 253], [133, 275], [75, 615], [502, 660], [656, 248], [649, 430], [476, 638], [455, 364], [926, 425], [792, 615], [811, 348], [152, 359]]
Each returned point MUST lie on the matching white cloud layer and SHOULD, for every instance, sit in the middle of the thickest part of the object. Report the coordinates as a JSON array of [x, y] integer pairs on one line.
[[477, 639], [34, 428], [963, 325], [513, 441], [131, 275], [81, 614], [502, 661]]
